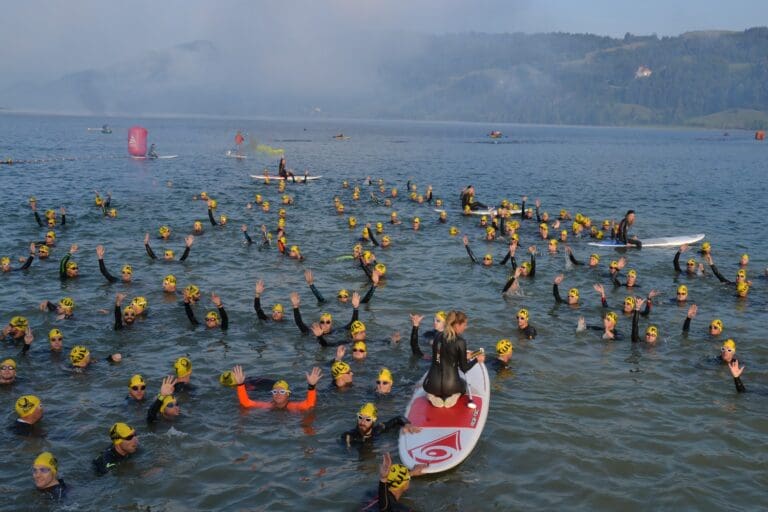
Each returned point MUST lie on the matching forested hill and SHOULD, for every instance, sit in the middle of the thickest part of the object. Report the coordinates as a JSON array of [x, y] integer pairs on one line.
[[714, 78]]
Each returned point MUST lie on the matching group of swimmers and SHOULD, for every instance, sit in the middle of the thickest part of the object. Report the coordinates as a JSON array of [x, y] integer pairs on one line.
[[448, 349]]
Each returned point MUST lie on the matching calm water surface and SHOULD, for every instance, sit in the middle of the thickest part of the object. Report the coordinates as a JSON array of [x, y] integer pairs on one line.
[[578, 424]]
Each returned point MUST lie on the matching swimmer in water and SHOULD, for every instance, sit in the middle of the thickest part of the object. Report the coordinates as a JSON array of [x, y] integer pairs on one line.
[[45, 473], [281, 392], [368, 430], [126, 273], [124, 443]]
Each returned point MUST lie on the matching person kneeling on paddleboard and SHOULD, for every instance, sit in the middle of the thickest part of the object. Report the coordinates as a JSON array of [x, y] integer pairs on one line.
[[624, 225], [443, 384]]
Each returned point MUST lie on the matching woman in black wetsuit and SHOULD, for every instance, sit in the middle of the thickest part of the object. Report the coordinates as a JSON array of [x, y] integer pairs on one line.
[[443, 384]]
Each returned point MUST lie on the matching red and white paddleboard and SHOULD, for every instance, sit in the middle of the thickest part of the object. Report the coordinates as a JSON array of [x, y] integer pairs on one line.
[[447, 436]]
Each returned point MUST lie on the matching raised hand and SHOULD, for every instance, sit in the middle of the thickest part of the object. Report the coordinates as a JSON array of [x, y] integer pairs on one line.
[[238, 374], [167, 387], [295, 300], [314, 376], [416, 319], [100, 252]]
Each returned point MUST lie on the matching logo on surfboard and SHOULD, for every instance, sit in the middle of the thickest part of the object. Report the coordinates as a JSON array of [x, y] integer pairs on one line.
[[438, 450]]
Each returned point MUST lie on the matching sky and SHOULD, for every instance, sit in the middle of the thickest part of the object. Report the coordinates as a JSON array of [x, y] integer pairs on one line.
[[43, 39]]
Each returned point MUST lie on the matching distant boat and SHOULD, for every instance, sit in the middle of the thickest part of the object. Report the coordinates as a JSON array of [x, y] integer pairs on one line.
[[340, 136], [495, 134]]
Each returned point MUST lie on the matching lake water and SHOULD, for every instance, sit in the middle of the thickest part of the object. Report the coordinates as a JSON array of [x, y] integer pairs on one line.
[[578, 424]]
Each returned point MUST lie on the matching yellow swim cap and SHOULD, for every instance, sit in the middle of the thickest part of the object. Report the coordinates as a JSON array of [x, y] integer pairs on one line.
[[730, 344], [652, 330], [742, 274], [281, 384], [553, 241], [227, 378], [166, 401], [706, 246], [50, 234], [359, 345], [614, 264], [352, 221], [169, 279], [192, 290], [44, 249], [526, 265], [745, 257], [629, 301], [71, 265], [369, 410], [47, 460], [573, 292], [356, 327], [523, 313], [682, 289], [453, 231], [212, 204], [55, 333], [416, 220], [339, 368], [140, 302], [164, 230], [398, 476], [326, 316], [343, 294], [78, 354], [632, 273], [183, 366], [504, 347], [441, 315], [112, 212], [543, 225], [223, 219], [717, 323], [136, 380], [691, 262], [385, 375], [277, 308], [198, 225], [214, 315], [5, 260], [295, 248], [381, 268], [9, 362], [20, 322], [168, 253], [612, 316], [386, 239], [26, 405], [379, 227], [742, 287], [120, 432], [127, 269], [67, 302]]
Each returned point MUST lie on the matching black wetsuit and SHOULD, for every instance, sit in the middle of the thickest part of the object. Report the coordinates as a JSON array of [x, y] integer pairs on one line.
[[63, 266], [26, 264], [22, 428], [443, 378], [306, 330], [529, 332], [621, 236], [151, 253], [720, 276], [103, 269], [154, 410], [56, 492], [191, 316], [354, 437], [15, 341], [498, 365], [107, 461]]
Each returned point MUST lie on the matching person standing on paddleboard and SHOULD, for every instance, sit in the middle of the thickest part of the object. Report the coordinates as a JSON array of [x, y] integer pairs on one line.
[[626, 222], [443, 384]]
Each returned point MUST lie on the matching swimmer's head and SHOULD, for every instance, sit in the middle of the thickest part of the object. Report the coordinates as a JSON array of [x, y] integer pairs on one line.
[[27, 405], [504, 347], [183, 367], [399, 477], [79, 356]]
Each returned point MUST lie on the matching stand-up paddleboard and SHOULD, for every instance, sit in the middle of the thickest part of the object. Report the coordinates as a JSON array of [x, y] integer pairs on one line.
[[447, 436], [161, 157], [666, 241], [233, 154], [295, 179], [489, 211]]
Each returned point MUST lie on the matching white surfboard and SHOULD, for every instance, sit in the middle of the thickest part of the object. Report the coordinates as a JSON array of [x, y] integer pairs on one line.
[[161, 157], [490, 211], [666, 241], [297, 179], [447, 436], [232, 154]]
